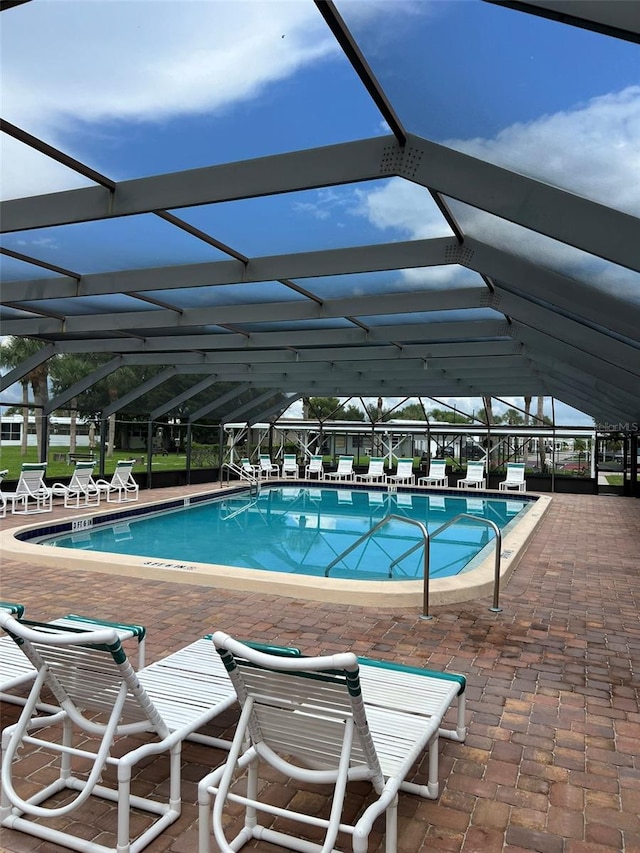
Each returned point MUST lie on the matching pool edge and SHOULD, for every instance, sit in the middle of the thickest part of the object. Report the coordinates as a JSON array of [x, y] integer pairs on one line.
[[467, 586]]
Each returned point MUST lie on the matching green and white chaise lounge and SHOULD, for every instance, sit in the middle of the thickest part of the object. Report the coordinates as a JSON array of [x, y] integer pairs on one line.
[[375, 472], [344, 470], [475, 477], [82, 490], [16, 670], [32, 494], [515, 478], [437, 475], [404, 473], [122, 485], [314, 468], [290, 466], [325, 720], [119, 718]]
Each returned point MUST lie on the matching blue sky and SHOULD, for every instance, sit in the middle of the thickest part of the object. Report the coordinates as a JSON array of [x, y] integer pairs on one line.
[[137, 87]]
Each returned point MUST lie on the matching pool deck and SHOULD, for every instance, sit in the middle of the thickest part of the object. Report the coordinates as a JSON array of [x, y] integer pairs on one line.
[[552, 758]]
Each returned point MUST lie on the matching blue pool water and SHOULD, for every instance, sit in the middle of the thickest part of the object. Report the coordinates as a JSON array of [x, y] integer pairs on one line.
[[301, 530]]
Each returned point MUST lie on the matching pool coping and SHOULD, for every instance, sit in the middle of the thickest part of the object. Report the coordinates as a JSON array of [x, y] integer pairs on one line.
[[474, 583]]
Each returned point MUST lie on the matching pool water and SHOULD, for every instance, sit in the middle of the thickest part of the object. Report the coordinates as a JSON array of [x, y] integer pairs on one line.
[[301, 530]]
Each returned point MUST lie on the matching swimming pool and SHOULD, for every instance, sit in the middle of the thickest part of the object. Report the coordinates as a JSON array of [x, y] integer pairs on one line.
[[304, 531], [299, 511]]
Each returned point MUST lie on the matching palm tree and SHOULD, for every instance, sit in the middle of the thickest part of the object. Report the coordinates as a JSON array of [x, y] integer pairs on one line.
[[13, 352]]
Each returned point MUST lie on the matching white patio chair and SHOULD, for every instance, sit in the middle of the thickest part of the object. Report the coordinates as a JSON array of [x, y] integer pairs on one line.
[[344, 470], [104, 703], [475, 478], [290, 466], [515, 478], [314, 468], [3, 499], [267, 467], [375, 472], [404, 473], [82, 490], [16, 669], [248, 471], [437, 475], [121, 484], [31, 489], [325, 720]]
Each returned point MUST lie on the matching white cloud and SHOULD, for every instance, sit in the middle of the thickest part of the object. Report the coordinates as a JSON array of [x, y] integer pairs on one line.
[[141, 60], [591, 149], [66, 63]]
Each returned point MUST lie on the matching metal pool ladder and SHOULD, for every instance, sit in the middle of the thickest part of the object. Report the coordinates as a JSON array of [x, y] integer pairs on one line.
[[426, 536], [254, 482]]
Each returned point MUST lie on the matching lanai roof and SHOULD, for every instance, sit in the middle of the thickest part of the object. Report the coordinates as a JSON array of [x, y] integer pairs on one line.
[[438, 240]]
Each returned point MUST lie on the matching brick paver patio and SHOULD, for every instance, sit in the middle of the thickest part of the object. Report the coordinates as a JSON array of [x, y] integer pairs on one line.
[[552, 759]]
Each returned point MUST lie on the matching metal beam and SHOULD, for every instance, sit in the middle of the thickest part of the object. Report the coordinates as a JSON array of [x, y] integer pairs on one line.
[[617, 18], [279, 407], [134, 394], [360, 65], [576, 298], [532, 204], [25, 367], [82, 385], [408, 254], [252, 404], [179, 399], [608, 348], [239, 315], [217, 404], [579, 222]]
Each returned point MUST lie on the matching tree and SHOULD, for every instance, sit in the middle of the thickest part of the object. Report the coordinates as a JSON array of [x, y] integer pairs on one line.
[[352, 413], [330, 408], [13, 352], [411, 412], [66, 369], [448, 417], [513, 417]]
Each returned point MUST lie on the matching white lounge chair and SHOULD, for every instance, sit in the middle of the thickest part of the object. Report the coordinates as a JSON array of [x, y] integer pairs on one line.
[[475, 477], [515, 478], [121, 484], [437, 475], [32, 494], [118, 717], [3, 500], [16, 670], [314, 468], [82, 490], [267, 467], [344, 471], [247, 470], [404, 473], [340, 719], [375, 472], [290, 466]]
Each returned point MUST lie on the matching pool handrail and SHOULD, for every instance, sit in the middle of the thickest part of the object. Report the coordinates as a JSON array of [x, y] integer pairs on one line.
[[495, 608], [241, 474]]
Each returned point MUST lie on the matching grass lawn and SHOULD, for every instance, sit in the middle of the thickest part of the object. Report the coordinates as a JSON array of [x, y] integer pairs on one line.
[[57, 466], [614, 479]]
